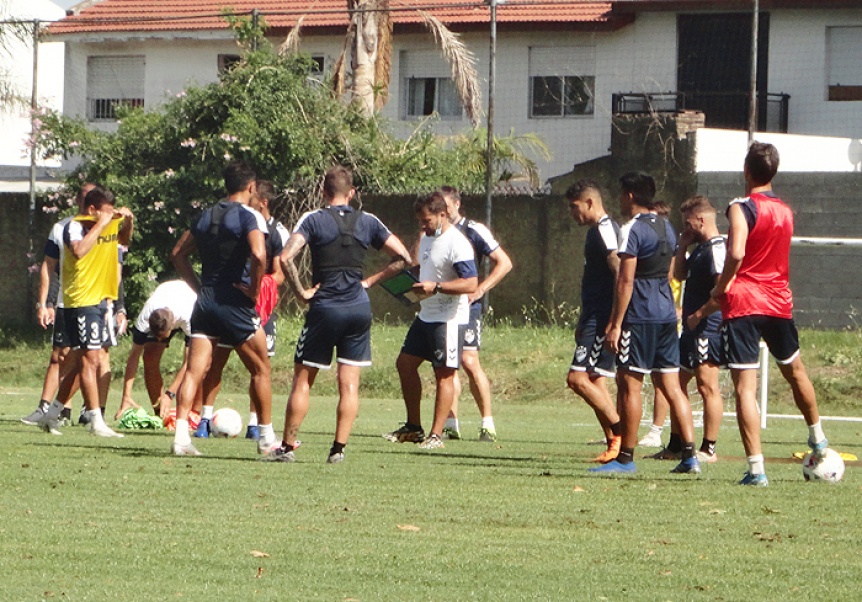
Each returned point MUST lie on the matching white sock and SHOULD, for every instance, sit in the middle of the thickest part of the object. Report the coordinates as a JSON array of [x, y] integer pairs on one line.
[[96, 418], [252, 418], [207, 413], [452, 423], [488, 423], [815, 432], [181, 435], [54, 410], [267, 435], [656, 429], [755, 464]]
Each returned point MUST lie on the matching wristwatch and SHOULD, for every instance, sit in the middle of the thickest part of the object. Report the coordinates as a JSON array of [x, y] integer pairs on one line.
[[438, 288]]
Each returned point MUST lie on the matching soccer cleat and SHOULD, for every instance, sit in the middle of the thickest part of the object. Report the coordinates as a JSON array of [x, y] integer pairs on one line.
[[184, 450], [405, 434], [266, 448], [279, 454], [252, 432], [614, 467], [487, 435], [335, 458], [687, 466], [611, 453], [64, 421], [652, 439], [432, 442], [450, 432], [203, 430], [49, 425], [32, 419], [83, 419], [103, 430], [756, 480], [818, 449], [665, 454], [706, 457]]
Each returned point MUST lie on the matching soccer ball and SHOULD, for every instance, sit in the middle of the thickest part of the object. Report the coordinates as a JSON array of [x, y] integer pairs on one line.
[[226, 422], [830, 468]]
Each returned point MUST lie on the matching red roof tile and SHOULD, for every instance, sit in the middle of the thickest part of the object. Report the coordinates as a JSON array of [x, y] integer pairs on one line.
[[116, 16]]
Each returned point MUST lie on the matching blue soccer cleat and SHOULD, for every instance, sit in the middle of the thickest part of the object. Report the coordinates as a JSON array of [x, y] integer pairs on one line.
[[818, 449], [252, 432], [687, 466], [203, 430], [756, 480], [614, 467]]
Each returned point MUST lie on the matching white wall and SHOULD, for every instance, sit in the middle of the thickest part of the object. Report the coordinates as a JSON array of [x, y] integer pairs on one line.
[[18, 62]]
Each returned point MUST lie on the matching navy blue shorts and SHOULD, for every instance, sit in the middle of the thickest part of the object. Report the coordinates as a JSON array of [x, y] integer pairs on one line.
[[741, 340], [345, 329], [85, 327], [473, 329], [437, 342], [700, 348], [591, 353], [141, 338], [227, 316], [646, 348], [59, 338], [271, 331]]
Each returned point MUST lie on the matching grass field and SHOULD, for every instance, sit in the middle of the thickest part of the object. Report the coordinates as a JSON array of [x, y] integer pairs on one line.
[[92, 519]]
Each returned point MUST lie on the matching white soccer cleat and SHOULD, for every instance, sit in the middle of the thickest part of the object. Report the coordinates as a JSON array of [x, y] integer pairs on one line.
[[103, 430], [184, 450], [652, 439]]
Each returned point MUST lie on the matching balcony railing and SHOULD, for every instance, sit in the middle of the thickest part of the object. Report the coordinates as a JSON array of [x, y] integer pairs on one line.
[[722, 109]]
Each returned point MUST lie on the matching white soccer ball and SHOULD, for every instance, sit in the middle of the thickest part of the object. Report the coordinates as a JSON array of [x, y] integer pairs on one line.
[[226, 422], [830, 468]]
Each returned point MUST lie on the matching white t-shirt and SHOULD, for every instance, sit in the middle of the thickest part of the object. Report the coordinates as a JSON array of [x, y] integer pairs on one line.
[[438, 256], [174, 295]]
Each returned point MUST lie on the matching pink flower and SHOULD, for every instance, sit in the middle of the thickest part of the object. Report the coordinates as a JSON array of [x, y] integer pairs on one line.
[[189, 143]]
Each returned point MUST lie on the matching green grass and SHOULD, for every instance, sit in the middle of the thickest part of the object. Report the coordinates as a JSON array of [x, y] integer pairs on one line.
[[91, 519]]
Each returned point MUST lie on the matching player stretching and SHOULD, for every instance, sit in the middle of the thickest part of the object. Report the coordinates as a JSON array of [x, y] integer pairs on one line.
[[642, 328], [593, 361], [230, 240], [756, 303], [700, 343], [484, 245], [447, 274], [339, 314]]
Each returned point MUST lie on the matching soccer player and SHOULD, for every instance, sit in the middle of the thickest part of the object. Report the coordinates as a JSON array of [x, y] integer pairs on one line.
[[49, 312], [230, 240], [276, 238], [90, 279], [756, 303], [166, 312], [447, 275], [339, 314], [700, 343], [484, 245], [593, 362], [642, 330]]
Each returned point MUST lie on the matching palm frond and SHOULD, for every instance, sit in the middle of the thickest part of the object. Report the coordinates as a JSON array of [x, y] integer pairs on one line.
[[383, 62], [291, 42], [463, 64]]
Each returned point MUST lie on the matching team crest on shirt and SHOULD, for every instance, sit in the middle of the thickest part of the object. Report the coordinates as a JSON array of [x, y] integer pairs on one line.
[[470, 336], [439, 354], [580, 353]]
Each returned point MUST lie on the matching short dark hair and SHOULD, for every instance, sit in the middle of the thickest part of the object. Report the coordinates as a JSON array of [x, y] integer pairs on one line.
[[451, 192], [697, 204], [99, 197], [237, 175], [433, 203], [266, 190], [762, 162], [576, 190], [641, 186], [337, 182], [159, 321]]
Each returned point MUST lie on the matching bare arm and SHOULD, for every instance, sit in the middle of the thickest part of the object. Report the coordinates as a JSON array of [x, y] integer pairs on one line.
[[294, 245], [502, 266], [459, 286], [257, 244], [81, 247], [737, 236], [707, 309], [124, 236], [43, 314], [400, 260], [622, 298], [181, 258], [277, 273]]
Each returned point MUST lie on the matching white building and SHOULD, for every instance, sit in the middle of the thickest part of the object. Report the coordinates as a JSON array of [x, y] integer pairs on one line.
[[561, 67]]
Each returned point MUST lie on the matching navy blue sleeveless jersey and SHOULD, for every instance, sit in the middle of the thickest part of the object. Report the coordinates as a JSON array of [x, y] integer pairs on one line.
[[223, 271], [704, 264], [597, 284], [652, 298]]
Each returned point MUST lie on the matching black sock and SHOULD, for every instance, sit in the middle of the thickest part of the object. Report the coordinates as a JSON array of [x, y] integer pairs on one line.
[[617, 428], [708, 447], [412, 427], [66, 413], [336, 448], [286, 447], [626, 455], [688, 450], [675, 443], [44, 402]]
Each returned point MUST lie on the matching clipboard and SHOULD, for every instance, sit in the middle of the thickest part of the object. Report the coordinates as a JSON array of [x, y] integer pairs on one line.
[[400, 286]]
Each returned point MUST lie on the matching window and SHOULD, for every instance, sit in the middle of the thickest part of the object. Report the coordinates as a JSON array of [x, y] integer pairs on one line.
[[226, 62], [562, 82], [427, 86], [113, 81], [319, 66], [844, 55]]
